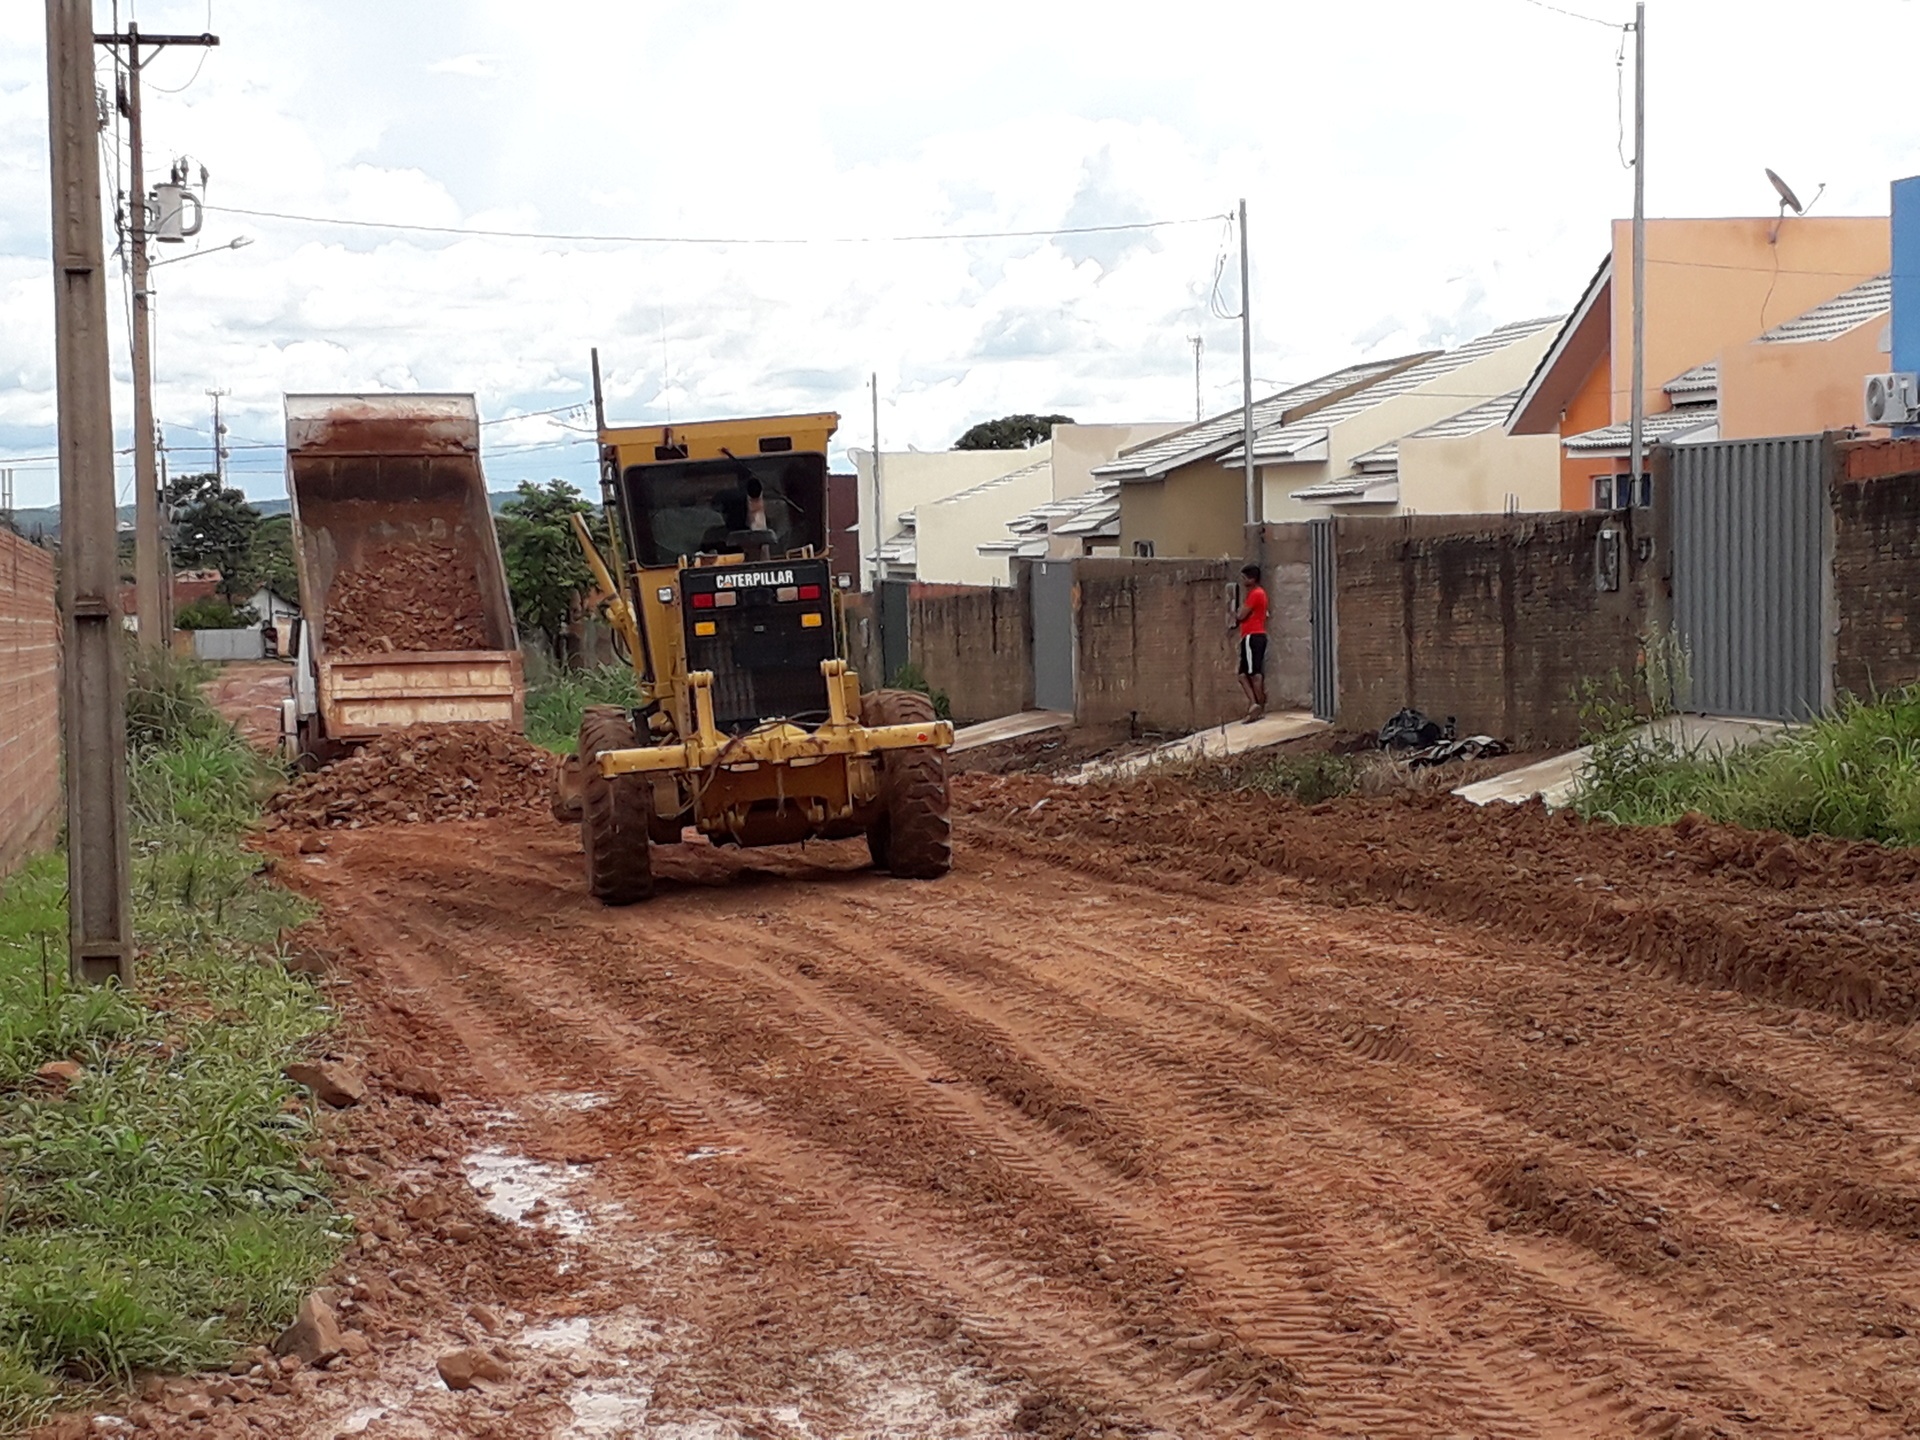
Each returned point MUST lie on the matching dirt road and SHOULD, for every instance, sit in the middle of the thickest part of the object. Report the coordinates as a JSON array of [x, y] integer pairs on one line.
[[1162, 1114]]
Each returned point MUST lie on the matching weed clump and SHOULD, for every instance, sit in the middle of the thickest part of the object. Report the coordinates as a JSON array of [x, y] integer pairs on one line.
[[158, 1207]]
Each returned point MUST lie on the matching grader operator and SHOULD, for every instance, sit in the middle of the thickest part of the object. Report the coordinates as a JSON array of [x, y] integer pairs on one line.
[[751, 728]]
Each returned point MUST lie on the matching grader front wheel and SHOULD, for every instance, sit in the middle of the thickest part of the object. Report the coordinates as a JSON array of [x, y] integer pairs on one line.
[[912, 836], [613, 814]]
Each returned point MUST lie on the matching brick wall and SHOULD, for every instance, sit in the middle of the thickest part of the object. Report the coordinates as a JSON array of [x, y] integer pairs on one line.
[[1876, 568], [1494, 620], [29, 701], [1153, 642], [974, 642]]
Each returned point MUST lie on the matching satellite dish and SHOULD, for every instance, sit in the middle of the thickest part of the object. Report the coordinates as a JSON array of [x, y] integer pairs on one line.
[[1788, 200]]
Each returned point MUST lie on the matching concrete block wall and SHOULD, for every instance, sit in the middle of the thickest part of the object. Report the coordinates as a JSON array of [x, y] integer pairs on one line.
[[1153, 643], [1284, 553], [1876, 568], [29, 701], [1494, 620], [974, 642]]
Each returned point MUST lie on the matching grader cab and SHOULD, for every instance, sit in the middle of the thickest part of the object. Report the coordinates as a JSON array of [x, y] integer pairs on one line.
[[751, 728]]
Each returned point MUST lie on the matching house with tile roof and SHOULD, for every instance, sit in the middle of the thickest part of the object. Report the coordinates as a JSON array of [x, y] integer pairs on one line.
[[1309, 467], [1713, 286], [1176, 497]]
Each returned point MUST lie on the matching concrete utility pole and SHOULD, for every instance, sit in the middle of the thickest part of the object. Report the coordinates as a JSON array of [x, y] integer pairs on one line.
[[1246, 374], [873, 565], [1199, 343], [1637, 423], [150, 598], [93, 685], [219, 441]]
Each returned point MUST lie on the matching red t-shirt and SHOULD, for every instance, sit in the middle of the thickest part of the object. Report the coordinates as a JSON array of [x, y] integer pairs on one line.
[[1256, 621]]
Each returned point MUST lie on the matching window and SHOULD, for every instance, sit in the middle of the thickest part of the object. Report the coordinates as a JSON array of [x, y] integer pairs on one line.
[[1619, 492], [1143, 549], [699, 505]]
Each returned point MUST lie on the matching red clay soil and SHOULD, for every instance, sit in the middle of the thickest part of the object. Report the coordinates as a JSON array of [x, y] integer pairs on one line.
[[419, 595], [1167, 1113], [419, 774], [249, 693]]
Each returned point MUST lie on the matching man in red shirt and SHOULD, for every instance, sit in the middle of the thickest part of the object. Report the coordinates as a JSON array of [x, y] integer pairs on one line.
[[1252, 622]]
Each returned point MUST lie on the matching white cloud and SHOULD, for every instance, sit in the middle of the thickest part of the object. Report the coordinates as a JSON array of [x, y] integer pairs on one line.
[[479, 66], [1413, 171]]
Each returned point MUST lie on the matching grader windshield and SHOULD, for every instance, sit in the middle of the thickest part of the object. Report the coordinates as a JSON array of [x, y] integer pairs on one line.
[[693, 507]]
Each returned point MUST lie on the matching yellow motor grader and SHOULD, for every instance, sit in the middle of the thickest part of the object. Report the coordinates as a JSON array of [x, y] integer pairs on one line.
[[751, 728]]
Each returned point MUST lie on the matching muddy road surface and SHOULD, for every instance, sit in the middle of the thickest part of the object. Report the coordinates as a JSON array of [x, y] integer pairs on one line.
[[1410, 1122]]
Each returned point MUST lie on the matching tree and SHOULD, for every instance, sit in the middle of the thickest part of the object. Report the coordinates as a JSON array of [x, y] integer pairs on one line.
[[273, 555], [214, 529], [546, 573], [1011, 432]]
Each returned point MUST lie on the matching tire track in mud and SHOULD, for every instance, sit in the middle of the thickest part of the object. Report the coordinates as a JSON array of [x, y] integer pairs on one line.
[[1287, 1171]]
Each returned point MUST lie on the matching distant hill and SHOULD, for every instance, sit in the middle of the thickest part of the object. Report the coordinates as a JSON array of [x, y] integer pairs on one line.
[[45, 519]]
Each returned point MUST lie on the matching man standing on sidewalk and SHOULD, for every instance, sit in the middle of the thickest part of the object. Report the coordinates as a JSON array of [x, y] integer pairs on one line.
[[1252, 622]]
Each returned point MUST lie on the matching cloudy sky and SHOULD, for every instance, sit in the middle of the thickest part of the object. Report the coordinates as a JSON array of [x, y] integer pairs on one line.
[[1416, 171]]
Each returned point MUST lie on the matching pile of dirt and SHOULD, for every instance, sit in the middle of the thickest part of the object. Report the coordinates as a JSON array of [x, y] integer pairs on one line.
[[421, 773], [1830, 924], [411, 595]]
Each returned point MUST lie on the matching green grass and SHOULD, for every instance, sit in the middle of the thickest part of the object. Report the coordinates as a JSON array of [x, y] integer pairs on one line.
[[1854, 774], [555, 702], [1309, 778], [163, 1211]]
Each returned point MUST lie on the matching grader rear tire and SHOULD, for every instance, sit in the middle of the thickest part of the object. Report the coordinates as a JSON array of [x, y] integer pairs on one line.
[[912, 836], [613, 814]]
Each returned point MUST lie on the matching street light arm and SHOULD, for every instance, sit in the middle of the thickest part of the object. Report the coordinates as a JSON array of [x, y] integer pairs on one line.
[[239, 242]]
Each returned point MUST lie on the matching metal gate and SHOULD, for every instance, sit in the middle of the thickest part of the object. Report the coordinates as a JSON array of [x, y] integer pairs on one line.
[[1748, 538], [895, 638], [1053, 687], [1326, 694]]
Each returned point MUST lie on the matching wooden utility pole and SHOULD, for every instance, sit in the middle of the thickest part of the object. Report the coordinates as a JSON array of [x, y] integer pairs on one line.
[[93, 683], [150, 582]]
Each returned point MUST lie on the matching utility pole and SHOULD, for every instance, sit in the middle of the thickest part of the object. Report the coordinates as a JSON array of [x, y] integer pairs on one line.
[[873, 571], [93, 717], [1199, 343], [166, 540], [219, 441], [1246, 374], [150, 600], [1636, 424]]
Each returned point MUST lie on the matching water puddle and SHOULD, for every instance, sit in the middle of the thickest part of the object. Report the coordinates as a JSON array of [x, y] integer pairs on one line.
[[510, 1186]]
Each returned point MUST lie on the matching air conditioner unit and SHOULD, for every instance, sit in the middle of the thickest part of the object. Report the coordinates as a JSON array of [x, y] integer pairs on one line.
[[1891, 399]]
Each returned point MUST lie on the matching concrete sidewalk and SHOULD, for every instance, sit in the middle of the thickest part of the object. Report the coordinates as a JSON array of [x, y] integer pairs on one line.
[[1009, 727], [1554, 780], [1234, 738]]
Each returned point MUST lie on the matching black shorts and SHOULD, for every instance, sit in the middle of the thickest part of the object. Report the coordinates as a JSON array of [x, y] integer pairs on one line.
[[1253, 654]]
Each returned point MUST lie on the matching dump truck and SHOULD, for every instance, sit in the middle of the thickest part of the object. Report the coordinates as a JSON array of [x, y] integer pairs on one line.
[[405, 614], [751, 727]]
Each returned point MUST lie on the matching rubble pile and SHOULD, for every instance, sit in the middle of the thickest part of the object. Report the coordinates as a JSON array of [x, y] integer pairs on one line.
[[411, 595], [419, 774]]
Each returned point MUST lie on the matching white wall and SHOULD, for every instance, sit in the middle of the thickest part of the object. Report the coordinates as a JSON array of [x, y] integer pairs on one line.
[[912, 478], [1474, 474], [951, 531], [1077, 449]]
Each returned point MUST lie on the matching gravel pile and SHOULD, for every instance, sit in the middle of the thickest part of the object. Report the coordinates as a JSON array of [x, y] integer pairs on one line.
[[420, 774]]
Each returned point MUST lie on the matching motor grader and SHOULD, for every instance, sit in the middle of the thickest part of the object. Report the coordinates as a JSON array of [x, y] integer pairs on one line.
[[751, 727]]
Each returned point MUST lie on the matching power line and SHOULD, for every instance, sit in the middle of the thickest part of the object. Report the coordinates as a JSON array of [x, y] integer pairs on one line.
[[716, 239], [1574, 14]]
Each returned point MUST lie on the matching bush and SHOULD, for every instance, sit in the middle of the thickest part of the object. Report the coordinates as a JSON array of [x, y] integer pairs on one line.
[[910, 677], [213, 613], [1854, 774], [557, 699]]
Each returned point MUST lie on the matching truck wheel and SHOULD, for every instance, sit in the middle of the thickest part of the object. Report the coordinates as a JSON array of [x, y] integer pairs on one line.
[[911, 836], [613, 814]]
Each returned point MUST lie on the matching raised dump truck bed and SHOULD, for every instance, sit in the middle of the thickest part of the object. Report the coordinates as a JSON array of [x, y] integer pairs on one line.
[[403, 594]]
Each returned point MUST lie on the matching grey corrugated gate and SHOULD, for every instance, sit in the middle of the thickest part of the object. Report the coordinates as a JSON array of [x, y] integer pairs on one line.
[[1749, 522], [896, 638], [1326, 695], [1053, 635]]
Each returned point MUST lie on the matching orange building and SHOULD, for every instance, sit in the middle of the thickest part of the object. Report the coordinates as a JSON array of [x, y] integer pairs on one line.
[[1713, 286]]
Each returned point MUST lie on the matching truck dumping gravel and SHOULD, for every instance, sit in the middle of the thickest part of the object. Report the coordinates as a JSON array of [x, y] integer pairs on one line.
[[412, 595], [419, 774]]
